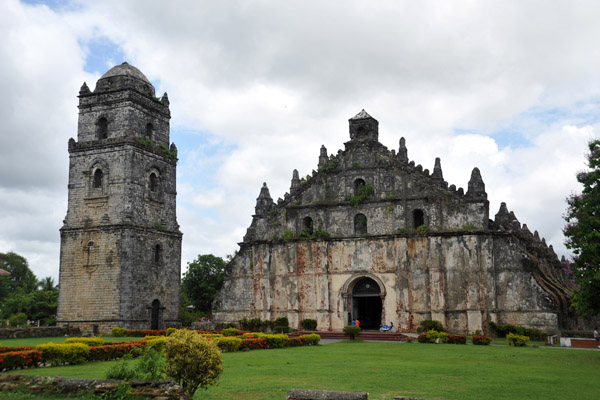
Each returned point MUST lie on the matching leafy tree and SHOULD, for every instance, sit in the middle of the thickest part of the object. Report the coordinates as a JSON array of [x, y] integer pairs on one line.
[[19, 293], [20, 274], [583, 236], [193, 361], [203, 280]]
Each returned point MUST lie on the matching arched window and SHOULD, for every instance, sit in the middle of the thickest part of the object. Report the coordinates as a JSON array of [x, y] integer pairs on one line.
[[358, 184], [98, 175], [360, 224], [308, 226], [102, 128], [153, 182], [149, 130], [418, 218], [157, 253]]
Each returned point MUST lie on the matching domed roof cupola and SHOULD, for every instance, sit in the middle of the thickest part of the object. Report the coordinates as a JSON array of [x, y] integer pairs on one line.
[[124, 76]]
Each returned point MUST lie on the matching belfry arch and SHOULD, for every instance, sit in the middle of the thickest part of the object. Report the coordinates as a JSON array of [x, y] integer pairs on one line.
[[364, 294]]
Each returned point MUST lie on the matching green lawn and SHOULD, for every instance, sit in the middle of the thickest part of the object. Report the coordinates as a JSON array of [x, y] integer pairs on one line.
[[386, 370]]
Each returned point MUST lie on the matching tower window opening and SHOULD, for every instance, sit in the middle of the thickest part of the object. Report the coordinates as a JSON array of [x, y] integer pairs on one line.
[[149, 130], [102, 127], [418, 218], [153, 182], [157, 253], [98, 176]]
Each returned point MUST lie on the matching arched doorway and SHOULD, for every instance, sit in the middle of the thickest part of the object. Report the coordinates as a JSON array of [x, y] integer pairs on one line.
[[155, 314], [366, 303]]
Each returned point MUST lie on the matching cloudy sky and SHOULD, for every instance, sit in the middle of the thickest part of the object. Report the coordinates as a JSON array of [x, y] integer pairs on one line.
[[256, 87]]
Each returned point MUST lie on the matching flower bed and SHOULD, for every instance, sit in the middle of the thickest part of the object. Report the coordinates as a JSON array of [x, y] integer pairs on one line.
[[20, 359]]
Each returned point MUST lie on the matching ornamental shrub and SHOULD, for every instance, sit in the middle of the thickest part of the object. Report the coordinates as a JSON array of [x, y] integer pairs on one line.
[[457, 339], [505, 329], [517, 340], [481, 340], [281, 325], [118, 332], [122, 369], [312, 339], [254, 324], [422, 338], [230, 332], [64, 353], [352, 331], [170, 331], [157, 343], [309, 324], [228, 343], [193, 361], [92, 341], [428, 325], [442, 337], [152, 366]]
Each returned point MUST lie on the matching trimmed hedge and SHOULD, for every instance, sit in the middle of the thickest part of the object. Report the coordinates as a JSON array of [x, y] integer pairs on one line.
[[121, 332], [253, 344], [115, 350], [20, 359], [6, 349], [312, 339], [92, 341], [228, 343], [63, 353]]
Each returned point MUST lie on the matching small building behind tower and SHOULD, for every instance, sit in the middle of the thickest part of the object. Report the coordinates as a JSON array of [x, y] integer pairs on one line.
[[120, 256]]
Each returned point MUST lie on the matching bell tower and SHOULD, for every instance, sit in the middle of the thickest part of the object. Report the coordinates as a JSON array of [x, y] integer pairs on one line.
[[120, 256]]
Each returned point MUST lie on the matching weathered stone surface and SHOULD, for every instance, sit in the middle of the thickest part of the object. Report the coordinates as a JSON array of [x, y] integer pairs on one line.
[[120, 242], [413, 247], [165, 389], [310, 394]]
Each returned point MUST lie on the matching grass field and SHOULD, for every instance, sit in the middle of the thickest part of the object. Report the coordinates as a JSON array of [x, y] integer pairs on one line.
[[386, 370]]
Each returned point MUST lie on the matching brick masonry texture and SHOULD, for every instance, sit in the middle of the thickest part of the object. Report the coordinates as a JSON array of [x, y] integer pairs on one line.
[[120, 258]]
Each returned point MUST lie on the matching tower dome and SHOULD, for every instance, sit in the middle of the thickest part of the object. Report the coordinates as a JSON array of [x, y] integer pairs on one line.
[[122, 77]]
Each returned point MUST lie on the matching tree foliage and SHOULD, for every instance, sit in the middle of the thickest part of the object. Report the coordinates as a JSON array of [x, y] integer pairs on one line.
[[21, 277], [203, 280], [22, 293], [193, 361], [583, 236]]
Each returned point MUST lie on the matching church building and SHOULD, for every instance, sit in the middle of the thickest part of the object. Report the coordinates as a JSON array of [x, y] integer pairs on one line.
[[371, 236], [120, 254]]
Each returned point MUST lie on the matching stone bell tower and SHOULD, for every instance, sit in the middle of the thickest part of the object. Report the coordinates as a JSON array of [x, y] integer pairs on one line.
[[120, 255]]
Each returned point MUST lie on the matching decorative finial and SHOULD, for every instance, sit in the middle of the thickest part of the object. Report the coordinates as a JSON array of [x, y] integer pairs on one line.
[[84, 89], [476, 188]]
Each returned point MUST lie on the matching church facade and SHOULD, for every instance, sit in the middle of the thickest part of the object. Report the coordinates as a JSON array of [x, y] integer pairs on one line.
[[120, 254], [371, 236]]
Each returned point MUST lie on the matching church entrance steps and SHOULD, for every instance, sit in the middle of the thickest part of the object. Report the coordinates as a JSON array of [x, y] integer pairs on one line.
[[364, 335]]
